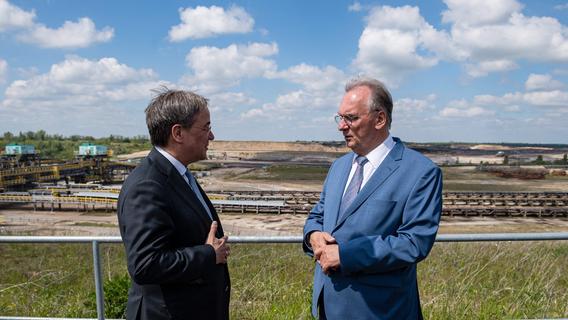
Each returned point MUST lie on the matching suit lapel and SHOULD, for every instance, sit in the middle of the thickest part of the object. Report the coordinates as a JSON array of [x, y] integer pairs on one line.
[[179, 185], [185, 192], [389, 165]]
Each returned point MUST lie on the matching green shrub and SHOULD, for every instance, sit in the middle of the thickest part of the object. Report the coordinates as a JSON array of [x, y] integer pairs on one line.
[[115, 295]]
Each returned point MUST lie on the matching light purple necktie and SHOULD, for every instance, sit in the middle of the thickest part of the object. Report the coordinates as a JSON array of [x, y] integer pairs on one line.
[[353, 188]]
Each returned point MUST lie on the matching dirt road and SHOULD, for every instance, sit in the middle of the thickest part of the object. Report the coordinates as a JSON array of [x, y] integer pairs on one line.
[[105, 224]]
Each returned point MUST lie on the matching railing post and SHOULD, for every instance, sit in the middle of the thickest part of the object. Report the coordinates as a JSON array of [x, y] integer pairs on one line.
[[98, 282]]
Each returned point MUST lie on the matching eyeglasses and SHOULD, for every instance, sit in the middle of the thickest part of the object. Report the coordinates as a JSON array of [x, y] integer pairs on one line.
[[207, 127], [348, 119]]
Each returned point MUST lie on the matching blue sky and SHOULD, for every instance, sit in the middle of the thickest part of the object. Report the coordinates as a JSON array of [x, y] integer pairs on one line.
[[458, 70]]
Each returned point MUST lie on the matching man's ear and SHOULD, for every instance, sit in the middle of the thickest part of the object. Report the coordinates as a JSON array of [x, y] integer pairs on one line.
[[381, 120], [177, 133]]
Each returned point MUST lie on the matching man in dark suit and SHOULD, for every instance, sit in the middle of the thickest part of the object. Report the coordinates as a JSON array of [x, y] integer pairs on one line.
[[175, 247], [377, 216]]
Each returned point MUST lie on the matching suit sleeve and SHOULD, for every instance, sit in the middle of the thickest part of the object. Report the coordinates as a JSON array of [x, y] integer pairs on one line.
[[314, 222], [413, 239], [147, 232]]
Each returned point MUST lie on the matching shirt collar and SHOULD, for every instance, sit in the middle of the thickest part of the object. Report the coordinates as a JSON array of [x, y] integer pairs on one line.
[[175, 162], [377, 155]]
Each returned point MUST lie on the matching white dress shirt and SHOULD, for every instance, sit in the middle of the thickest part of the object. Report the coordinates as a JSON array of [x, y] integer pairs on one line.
[[375, 157], [175, 162]]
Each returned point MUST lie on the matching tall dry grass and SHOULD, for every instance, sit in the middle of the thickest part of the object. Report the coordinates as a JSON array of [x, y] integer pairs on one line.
[[457, 281]]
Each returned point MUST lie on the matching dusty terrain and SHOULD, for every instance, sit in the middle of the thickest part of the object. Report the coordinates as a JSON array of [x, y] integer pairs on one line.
[[235, 174], [105, 224], [222, 179]]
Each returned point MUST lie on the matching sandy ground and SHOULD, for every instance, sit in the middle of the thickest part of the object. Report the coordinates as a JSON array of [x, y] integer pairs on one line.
[[24, 220], [220, 180], [14, 221]]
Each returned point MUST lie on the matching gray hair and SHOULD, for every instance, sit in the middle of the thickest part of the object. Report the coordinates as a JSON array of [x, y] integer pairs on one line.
[[170, 107], [380, 99]]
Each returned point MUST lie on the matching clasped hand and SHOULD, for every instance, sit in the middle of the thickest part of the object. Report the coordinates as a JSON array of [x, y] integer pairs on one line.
[[222, 249], [326, 251]]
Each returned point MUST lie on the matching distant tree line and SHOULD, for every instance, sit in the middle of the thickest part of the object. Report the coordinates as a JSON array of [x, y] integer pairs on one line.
[[56, 146], [540, 160]]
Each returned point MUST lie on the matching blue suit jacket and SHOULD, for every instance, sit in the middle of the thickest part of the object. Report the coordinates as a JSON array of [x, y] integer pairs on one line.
[[390, 226]]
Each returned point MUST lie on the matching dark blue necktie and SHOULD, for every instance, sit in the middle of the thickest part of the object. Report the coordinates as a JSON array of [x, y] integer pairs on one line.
[[195, 189], [353, 188]]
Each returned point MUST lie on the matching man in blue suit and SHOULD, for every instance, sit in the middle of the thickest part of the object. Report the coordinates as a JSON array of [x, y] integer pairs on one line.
[[377, 216]]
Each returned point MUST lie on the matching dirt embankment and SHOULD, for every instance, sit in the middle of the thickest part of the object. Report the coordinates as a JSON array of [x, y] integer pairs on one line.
[[69, 223], [268, 146], [255, 147]]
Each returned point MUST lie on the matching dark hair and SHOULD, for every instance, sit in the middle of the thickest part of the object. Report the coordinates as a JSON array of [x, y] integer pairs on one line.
[[380, 99], [170, 107]]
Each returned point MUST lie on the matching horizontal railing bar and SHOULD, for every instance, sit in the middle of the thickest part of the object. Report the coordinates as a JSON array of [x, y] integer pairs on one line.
[[474, 237], [467, 237], [49, 318]]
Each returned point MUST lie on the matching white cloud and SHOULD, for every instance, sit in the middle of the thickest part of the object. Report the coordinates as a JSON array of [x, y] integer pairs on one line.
[[479, 12], [355, 7], [513, 108], [80, 34], [313, 78], [213, 69], [407, 105], [228, 101], [81, 96], [483, 68], [253, 113], [551, 98], [561, 6], [295, 105], [554, 98], [263, 31], [512, 102], [3, 70], [397, 41], [542, 82], [203, 22], [463, 109], [486, 36], [531, 38], [321, 91], [472, 112], [12, 17], [495, 35], [79, 82]]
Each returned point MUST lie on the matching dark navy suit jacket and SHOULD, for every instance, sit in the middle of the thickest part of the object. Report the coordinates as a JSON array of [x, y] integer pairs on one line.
[[164, 227], [390, 226]]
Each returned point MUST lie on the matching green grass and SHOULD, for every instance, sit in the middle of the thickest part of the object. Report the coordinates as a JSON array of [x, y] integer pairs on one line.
[[495, 281], [457, 281]]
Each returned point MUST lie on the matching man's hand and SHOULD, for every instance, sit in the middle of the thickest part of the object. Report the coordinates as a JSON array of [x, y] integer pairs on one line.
[[329, 258], [222, 249], [318, 241]]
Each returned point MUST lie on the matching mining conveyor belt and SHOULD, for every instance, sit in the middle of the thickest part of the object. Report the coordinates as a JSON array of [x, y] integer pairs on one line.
[[495, 204]]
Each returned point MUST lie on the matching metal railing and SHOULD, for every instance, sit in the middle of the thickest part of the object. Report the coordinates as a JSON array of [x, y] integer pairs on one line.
[[96, 241]]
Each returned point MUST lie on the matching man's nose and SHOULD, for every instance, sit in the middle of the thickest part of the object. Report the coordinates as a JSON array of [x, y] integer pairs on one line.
[[211, 135], [342, 125]]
